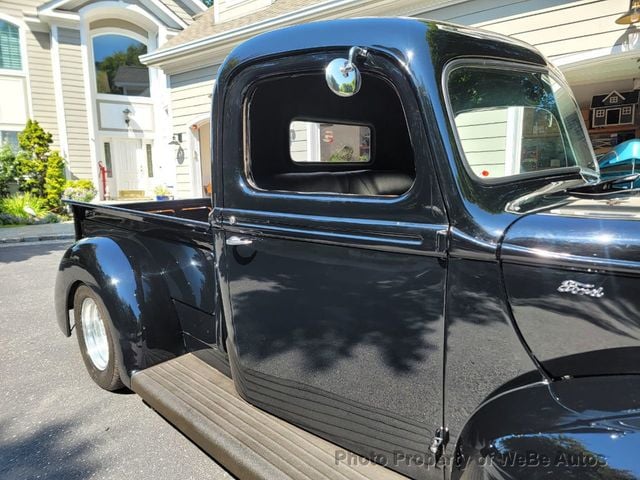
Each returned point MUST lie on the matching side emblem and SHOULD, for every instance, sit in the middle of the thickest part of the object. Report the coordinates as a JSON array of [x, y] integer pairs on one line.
[[577, 288]]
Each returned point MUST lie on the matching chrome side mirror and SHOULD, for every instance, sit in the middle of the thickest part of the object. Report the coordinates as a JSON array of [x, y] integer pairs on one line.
[[342, 75]]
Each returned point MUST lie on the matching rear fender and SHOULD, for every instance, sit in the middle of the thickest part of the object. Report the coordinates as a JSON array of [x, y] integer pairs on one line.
[[570, 429], [143, 318]]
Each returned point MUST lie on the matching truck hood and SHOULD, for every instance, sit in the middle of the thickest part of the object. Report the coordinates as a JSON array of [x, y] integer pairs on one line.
[[572, 277]]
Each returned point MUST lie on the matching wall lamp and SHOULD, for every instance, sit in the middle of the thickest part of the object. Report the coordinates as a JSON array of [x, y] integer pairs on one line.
[[633, 14], [176, 139], [127, 116]]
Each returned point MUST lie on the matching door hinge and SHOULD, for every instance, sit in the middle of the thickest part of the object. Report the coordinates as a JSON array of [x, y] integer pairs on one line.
[[215, 217], [439, 441]]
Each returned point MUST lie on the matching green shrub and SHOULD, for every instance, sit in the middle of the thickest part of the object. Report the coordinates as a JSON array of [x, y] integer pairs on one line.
[[79, 190], [31, 161], [23, 206], [54, 181], [8, 172]]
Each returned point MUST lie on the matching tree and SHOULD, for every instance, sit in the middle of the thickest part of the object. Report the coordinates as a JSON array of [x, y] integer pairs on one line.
[[54, 180], [31, 161], [8, 172]]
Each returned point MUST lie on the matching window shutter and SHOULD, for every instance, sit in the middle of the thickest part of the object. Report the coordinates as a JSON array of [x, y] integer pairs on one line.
[[9, 46]]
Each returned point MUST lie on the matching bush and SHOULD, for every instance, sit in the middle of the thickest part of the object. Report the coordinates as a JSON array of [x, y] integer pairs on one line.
[[32, 159], [8, 172], [54, 180], [79, 190], [23, 206]]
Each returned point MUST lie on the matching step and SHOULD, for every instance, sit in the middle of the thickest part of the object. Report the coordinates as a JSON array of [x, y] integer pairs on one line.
[[252, 444]]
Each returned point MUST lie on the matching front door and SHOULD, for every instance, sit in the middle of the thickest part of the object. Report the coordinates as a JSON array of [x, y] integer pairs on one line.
[[130, 170], [335, 270]]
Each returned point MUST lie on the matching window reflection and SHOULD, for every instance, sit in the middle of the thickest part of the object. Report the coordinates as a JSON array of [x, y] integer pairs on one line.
[[118, 67]]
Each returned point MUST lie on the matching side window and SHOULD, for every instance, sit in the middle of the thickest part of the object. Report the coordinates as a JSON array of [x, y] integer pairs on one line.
[[305, 139], [10, 58], [318, 142]]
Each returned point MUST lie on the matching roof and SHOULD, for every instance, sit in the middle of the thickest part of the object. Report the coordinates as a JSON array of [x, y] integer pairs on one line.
[[205, 25], [129, 75], [625, 98]]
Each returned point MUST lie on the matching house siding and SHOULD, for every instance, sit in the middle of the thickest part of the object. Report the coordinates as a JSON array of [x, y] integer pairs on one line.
[[75, 108], [38, 64], [190, 100], [41, 79], [555, 27]]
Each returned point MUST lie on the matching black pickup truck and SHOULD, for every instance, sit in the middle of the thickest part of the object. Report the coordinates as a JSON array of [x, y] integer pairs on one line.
[[409, 267]]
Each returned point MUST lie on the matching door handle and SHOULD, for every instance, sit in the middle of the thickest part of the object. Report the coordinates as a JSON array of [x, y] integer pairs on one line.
[[235, 241]]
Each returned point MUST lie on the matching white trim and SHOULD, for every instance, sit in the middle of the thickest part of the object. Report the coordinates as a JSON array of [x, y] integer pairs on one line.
[[49, 12], [123, 32], [194, 147], [196, 4], [616, 92], [122, 11], [89, 80], [59, 96]]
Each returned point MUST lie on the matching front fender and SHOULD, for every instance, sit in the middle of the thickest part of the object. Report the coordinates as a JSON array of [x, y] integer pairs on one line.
[[571, 429], [143, 318]]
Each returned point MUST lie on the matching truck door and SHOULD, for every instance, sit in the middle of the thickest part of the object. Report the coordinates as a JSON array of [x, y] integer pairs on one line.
[[333, 257]]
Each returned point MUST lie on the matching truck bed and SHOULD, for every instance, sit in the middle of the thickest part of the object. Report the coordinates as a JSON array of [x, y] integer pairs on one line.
[[191, 215]]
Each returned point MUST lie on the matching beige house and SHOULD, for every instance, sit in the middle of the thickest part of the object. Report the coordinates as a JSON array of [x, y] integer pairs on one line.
[[150, 126], [73, 66], [597, 55]]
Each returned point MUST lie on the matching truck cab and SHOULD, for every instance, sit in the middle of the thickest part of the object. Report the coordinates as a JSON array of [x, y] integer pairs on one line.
[[405, 232]]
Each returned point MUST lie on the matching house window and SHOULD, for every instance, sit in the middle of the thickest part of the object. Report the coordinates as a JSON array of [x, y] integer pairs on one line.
[[9, 137], [613, 100], [626, 110], [118, 67], [9, 46], [149, 160], [107, 159], [599, 113]]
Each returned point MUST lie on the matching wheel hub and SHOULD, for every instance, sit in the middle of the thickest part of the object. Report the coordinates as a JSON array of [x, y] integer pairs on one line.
[[95, 334]]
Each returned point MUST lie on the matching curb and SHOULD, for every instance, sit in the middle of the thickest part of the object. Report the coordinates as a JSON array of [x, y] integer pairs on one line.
[[41, 238]]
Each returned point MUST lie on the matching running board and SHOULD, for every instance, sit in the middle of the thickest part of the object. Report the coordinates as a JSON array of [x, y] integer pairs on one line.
[[204, 405]]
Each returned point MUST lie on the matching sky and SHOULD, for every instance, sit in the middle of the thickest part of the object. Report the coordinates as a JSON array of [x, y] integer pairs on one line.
[[105, 45]]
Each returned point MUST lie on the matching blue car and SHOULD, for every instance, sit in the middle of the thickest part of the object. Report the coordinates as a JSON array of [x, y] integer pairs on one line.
[[621, 161]]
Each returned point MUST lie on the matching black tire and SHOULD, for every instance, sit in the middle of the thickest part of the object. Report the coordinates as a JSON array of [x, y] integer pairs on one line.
[[109, 377]]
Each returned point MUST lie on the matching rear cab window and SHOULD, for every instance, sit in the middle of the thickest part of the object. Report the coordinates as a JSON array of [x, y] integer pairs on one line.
[[325, 144]]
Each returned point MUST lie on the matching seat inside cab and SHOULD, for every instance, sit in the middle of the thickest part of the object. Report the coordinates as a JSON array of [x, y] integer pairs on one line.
[[305, 139]]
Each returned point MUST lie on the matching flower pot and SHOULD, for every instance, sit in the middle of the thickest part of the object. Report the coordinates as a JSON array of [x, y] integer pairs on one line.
[[162, 197]]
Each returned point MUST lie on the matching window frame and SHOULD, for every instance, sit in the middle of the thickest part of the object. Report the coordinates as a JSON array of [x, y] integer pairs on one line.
[[504, 65], [100, 32], [372, 133], [22, 72], [247, 174]]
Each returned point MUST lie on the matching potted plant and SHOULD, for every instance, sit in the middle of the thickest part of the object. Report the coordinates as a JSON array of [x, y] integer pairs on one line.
[[162, 192]]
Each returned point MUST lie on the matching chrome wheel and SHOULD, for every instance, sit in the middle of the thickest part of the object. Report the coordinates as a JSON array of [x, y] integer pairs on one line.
[[95, 334]]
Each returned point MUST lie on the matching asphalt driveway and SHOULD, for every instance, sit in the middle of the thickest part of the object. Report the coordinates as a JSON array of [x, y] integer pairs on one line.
[[55, 423]]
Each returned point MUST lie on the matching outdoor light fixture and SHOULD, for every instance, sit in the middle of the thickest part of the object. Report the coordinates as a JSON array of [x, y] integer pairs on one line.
[[633, 14], [127, 116], [176, 139]]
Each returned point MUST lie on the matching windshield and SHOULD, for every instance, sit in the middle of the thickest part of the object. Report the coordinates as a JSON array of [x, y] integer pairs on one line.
[[510, 122]]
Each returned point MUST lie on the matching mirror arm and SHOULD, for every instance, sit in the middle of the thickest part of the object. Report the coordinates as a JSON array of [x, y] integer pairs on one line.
[[354, 53]]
